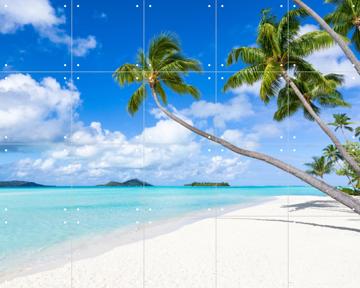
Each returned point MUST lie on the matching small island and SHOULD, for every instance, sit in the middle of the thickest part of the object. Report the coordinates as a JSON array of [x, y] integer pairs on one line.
[[220, 184], [19, 184], [128, 183]]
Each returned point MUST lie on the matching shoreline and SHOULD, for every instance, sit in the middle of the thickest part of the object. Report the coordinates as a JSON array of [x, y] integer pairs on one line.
[[252, 250], [83, 247]]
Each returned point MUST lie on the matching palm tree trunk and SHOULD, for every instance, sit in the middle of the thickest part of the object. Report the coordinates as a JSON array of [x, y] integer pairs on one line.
[[337, 38], [322, 125], [339, 196]]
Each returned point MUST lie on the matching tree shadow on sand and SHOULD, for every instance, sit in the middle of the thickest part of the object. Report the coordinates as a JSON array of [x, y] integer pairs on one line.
[[328, 205], [309, 223]]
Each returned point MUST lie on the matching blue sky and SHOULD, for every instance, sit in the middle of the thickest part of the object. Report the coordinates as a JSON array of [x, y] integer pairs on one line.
[[66, 128]]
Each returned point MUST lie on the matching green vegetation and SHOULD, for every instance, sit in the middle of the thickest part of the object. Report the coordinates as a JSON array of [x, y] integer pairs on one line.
[[332, 162], [128, 183], [19, 184], [208, 184], [278, 58]]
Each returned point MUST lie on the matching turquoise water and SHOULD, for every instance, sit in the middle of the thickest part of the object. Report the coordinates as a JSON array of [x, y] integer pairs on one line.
[[32, 219]]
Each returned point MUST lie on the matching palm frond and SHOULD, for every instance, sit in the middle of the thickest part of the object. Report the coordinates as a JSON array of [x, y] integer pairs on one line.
[[310, 43], [136, 99], [249, 55], [128, 74], [162, 45], [248, 75], [270, 82]]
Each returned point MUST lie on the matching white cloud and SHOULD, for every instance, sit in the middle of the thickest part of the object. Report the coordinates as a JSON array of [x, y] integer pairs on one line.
[[226, 168], [95, 152], [35, 111], [307, 28], [235, 109], [251, 140], [39, 14], [332, 60], [239, 138]]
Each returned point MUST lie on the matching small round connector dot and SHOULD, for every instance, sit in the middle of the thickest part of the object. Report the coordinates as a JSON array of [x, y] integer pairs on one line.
[[209, 78], [150, 5]]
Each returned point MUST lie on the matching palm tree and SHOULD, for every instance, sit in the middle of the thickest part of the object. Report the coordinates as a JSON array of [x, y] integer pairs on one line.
[[281, 49], [357, 131], [337, 38], [164, 65], [331, 153], [319, 167], [342, 122], [346, 19], [316, 95]]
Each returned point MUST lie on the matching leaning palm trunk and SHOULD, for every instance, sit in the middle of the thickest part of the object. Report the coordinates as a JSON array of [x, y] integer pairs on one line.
[[339, 196], [337, 38], [322, 125]]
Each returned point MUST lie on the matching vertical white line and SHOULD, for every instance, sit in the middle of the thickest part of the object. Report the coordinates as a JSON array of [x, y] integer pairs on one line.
[[71, 121], [143, 142], [288, 150], [216, 100]]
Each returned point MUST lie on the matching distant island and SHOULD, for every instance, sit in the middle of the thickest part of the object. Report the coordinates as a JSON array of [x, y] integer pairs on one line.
[[128, 183], [19, 184], [208, 184]]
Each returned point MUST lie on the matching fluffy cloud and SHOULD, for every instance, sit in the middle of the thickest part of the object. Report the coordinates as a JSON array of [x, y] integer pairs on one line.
[[94, 153], [237, 108], [35, 111], [39, 14], [332, 60], [252, 139]]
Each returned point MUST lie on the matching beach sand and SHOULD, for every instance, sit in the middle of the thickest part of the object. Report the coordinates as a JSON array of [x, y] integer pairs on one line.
[[295, 241]]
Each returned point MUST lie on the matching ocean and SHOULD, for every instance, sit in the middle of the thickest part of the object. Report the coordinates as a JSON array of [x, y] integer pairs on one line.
[[33, 220]]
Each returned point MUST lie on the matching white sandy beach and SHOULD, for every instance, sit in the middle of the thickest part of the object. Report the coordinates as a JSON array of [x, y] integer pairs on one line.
[[297, 241]]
